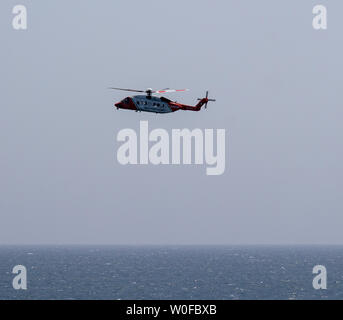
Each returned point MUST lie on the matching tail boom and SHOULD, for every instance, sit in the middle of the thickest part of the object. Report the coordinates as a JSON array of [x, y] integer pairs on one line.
[[198, 106]]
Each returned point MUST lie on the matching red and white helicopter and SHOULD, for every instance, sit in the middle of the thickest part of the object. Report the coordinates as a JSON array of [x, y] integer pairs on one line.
[[149, 103]]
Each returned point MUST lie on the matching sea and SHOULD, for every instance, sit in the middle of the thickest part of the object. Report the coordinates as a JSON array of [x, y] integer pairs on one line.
[[172, 272]]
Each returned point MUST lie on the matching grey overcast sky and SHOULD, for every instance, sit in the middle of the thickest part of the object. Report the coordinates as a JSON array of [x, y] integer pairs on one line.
[[278, 85]]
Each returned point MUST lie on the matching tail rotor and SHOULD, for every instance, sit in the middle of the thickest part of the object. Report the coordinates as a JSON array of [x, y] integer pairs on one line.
[[207, 100]]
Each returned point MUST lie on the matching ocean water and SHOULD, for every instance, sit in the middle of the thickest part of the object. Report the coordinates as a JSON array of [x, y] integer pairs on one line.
[[171, 272]]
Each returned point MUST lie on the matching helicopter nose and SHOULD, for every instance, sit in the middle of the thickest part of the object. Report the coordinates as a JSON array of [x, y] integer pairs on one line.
[[118, 105]]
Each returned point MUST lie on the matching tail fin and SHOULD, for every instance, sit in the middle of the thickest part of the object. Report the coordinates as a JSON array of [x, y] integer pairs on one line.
[[204, 101]]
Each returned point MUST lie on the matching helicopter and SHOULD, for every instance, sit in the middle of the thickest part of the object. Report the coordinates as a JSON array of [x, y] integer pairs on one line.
[[150, 103]]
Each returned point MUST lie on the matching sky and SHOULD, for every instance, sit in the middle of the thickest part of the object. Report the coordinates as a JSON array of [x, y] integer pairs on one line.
[[278, 86]]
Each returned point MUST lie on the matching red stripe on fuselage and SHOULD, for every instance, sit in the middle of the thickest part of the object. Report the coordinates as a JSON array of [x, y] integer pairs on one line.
[[127, 103]]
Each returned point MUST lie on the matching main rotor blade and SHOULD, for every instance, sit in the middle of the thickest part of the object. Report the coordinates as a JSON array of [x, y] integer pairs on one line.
[[131, 90], [170, 90]]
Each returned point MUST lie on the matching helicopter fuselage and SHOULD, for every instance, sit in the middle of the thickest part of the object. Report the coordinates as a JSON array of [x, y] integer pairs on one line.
[[156, 104], [146, 103]]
